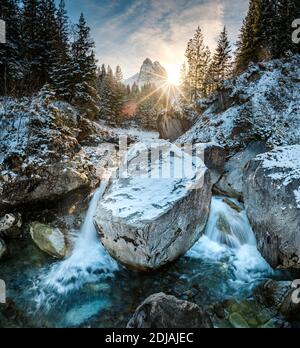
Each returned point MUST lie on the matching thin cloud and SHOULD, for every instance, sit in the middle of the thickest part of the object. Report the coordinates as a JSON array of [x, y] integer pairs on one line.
[[128, 31]]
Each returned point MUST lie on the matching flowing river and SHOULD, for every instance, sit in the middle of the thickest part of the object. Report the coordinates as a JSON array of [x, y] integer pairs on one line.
[[90, 289]]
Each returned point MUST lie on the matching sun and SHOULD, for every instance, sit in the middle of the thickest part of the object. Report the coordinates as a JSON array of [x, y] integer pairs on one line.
[[173, 71]]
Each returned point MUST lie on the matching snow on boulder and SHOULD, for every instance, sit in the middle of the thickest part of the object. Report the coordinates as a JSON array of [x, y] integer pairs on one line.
[[158, 206], [271, 186]]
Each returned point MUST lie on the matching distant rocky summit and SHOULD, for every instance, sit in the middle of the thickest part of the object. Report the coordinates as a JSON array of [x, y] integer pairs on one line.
[[150, 73]]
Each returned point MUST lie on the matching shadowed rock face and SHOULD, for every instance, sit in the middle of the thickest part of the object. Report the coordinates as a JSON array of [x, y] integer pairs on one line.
[[172, 126], [161, 311], [231, 182], [272, 199], [280, 296], [146, 223]]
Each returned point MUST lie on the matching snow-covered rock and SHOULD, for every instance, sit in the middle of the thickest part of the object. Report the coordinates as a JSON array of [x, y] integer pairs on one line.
[[48, 239], [145, 222], [262, 104], [160, 311], [150, 73], [272, 200], [10, 225], [38, 144]]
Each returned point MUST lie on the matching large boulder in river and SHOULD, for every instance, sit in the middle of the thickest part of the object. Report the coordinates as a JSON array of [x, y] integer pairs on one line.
[[157, 212], [48, 239], [160, 311], [272, 201]]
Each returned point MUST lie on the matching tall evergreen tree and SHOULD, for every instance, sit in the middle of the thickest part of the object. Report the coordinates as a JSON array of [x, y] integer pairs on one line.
[[61, 74], [84, 81], [11, 63], [266, 32], [221, 66], [245, 44], [49, 39], [198, 58]]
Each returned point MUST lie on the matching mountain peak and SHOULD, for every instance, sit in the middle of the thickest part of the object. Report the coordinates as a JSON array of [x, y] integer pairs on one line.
[[150, 73], [147, 61]]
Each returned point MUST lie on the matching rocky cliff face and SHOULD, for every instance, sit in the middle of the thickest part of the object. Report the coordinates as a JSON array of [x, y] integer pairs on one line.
[[272, 200], [150, 73]]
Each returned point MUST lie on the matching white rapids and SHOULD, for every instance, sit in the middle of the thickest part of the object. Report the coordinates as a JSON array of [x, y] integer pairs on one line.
[[89, 260], [229, 236]]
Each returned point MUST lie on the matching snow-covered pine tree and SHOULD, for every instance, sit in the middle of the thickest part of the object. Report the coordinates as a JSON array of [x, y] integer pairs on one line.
[[120, 94], [267, 31], [184, 84], [287, 12], [84, 71], [135, 92], [221, 66], [108, 96], [11, 62], [198, 58], [48, 39], [246, 43], [189, 54]]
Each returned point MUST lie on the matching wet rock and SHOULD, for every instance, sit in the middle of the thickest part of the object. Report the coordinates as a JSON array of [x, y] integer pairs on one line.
[[231, 182], [49, 239], [283, 296], [45, 183], [2, 248], [237, 321], [10, 225], [232, 205], [246, 314], [162, 311], [272, 201], [145, 222], [10, 315]]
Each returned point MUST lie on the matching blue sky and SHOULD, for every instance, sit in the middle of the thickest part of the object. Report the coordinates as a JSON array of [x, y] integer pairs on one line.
[[128, 31]]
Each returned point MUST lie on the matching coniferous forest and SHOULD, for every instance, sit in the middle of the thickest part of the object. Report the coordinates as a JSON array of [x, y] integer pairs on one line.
[[166, 199]]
